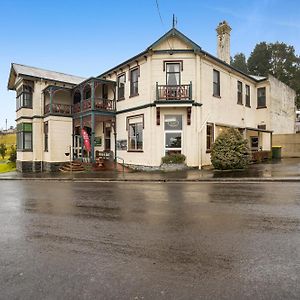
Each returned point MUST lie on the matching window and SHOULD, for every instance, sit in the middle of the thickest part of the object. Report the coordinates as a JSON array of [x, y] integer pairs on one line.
[[173, 134], [46, 136], [24, 136], [135, 133], [248, 96], [254, 143], [209, 136], [216, 83], [173, 74], [134, 82], [24, 97], [173, 90], [261, 97], [239, 93], [263, 126], [121, 87]]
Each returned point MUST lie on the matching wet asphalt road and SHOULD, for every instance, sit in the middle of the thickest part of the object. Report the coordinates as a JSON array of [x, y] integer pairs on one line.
[[72, 240]]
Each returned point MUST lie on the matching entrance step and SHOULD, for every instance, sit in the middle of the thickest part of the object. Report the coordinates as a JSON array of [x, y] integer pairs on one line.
[[72, 167]]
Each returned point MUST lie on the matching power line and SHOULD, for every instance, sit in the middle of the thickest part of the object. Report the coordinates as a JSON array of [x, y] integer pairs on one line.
[[162, 22]]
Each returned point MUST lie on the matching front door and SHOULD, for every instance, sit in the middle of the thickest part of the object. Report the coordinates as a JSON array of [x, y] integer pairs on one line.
[[173, 134], [107, 133]]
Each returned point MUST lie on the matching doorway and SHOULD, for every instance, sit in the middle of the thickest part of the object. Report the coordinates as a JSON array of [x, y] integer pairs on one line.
[[107, 133]]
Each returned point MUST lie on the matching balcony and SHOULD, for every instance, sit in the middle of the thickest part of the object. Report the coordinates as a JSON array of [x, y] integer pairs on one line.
[[105, 104], [101, 104], [58, 109], [174, 92]]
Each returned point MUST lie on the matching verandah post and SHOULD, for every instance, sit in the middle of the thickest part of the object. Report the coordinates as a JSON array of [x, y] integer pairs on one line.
[[93, 137]]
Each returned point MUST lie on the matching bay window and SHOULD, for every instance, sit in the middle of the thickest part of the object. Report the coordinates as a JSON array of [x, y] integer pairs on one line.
[[24, 97], [24, 136]]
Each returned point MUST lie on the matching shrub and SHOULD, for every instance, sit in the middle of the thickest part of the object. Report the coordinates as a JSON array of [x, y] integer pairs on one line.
[[230, 151], [173, 159], [3, 150], [13, 154]]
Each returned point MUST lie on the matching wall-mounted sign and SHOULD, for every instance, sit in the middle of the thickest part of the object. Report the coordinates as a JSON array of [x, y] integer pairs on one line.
[[98, 141], [121, 144]]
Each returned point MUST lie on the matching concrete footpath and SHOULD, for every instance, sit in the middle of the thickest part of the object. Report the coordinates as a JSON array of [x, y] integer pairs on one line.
[[277, 170]]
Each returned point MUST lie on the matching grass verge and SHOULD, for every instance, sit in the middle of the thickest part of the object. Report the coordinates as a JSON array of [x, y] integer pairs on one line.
[[8, 167]]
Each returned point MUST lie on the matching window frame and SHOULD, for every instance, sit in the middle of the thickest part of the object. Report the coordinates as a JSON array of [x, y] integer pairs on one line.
[[121, 97], [46, 136], [22, 94], [239, 92], [22, 133], [264, 97], [128, 125], [209, 137], [262, 126], [132, 83], [247, 95], [167, 72], [168, 131], [216, 84]]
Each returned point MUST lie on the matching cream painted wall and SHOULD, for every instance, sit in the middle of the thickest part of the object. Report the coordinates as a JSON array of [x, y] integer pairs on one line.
[[24, 156], [37, 139], [225, 110], [282, 107], [136, 158], [154, 136], [60, 138], [263, 114], [172, 43]]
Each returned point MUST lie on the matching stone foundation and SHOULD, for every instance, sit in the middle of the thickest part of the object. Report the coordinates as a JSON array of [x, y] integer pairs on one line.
[[35, 166], [52, 166], [24, 166], [163, 167]]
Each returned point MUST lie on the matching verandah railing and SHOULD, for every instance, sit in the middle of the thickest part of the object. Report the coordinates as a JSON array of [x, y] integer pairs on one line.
[[59, 109]]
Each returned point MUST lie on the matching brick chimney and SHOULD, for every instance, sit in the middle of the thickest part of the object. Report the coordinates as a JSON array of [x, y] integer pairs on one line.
[[223, 37]]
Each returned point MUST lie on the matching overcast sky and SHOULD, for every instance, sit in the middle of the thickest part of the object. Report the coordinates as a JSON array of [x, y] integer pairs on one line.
[[87, 37]]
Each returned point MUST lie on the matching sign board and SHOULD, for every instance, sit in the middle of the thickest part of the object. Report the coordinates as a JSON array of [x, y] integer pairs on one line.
[[121, 144]]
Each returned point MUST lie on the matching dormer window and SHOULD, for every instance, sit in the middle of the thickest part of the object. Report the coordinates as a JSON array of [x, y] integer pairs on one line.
[[24, 97]]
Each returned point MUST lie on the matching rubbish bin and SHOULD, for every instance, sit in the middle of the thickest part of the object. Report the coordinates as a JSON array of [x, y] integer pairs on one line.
[[276, 151]]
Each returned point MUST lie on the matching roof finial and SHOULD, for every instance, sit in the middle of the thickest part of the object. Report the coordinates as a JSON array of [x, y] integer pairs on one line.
[[174, 21]]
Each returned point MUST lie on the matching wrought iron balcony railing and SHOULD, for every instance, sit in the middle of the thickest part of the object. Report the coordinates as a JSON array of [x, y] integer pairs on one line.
[[58, 109], [100, 104], [105, 104], [174, 92]]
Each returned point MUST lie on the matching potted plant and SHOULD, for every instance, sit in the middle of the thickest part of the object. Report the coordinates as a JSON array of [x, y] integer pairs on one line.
[[173, 162]]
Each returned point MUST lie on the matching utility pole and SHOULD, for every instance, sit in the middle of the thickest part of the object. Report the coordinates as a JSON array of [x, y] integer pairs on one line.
[[6, 124]]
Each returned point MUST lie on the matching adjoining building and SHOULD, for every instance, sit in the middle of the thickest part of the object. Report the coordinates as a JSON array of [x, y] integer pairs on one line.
[[174, 97]]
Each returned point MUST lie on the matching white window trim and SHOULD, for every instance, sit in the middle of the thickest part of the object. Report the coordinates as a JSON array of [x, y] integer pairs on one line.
[[173, 131]]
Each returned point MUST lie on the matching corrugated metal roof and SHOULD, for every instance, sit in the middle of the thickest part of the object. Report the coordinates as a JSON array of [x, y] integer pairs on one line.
[[46, 74]]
